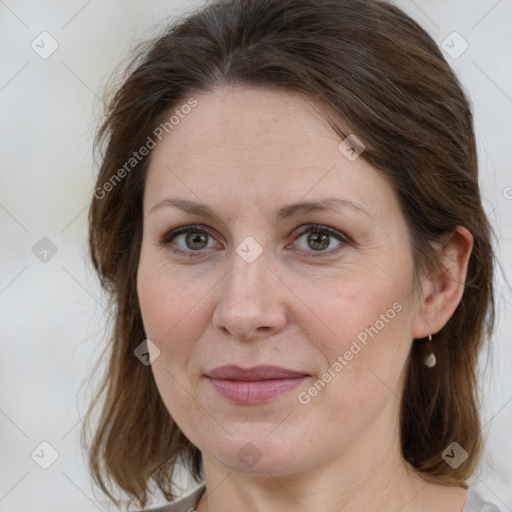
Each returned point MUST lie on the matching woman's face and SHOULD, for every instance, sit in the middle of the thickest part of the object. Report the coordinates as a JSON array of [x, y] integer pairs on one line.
[[256, 284]]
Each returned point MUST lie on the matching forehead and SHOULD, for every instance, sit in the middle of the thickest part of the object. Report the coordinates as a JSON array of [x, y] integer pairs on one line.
[[272, 145], [247, 122]]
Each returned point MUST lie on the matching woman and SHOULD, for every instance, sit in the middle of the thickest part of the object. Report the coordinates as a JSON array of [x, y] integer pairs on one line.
[[288, 219]]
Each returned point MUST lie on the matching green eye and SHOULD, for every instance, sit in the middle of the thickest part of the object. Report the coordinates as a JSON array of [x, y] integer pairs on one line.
[[319, 239], [195, 238]]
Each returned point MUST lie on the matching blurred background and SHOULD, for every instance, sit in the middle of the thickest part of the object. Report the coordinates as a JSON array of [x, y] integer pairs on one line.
[[55, 59]]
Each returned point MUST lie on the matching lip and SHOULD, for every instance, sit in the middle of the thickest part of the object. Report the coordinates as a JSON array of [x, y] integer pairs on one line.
[[254, 385], [256, 373]]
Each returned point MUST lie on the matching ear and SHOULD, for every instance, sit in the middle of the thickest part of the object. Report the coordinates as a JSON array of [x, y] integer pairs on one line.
[[442, 292]]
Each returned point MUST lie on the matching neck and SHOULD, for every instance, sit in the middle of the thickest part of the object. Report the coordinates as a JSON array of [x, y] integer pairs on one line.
[[372, 475]]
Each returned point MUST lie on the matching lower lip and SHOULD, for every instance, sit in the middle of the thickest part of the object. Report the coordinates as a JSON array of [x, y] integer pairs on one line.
[[252, 392]]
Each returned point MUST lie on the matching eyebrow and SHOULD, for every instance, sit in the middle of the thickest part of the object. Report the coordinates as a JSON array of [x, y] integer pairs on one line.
[[326, 204]]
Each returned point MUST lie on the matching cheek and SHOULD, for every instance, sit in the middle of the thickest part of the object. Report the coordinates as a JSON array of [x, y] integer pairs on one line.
[[171, 311], [366, 325], [174, 305], [364, 347], [167, 296]]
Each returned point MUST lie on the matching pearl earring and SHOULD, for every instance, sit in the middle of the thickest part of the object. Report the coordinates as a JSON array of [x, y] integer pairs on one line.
[[430, 360]]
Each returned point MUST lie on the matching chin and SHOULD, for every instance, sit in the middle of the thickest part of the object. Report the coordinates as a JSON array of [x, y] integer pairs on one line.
[[258, 451]]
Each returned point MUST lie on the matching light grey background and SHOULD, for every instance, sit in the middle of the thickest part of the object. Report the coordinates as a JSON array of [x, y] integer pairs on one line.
[[51, 313]]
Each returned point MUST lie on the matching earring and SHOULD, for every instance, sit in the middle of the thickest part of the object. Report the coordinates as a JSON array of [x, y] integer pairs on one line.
[[430, 360]]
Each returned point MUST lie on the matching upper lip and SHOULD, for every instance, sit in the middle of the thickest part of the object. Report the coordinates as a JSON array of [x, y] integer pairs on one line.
[[255, 373]]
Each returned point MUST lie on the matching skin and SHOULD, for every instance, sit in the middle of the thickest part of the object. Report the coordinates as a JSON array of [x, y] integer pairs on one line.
[[247, 152]]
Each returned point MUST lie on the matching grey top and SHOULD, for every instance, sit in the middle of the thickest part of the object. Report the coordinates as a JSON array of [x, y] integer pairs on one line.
[[474, 503]]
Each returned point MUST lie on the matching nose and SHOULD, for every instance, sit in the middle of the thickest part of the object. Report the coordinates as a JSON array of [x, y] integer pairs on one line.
[[250, 306]]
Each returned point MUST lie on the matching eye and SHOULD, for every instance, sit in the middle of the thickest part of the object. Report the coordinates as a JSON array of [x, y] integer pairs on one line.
[[187, 240], [319, 238]]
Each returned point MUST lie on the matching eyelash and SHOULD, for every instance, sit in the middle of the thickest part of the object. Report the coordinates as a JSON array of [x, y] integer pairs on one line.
[[317, 228]]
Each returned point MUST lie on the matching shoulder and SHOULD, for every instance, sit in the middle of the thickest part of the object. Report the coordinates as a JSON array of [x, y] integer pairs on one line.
[[476, 503], [185, 504]]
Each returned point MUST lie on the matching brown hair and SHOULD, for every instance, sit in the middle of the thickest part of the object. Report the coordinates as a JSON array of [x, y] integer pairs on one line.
[[378, 75]]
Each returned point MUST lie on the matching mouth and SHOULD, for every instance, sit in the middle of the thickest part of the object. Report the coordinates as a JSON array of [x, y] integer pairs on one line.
[[254, 385]]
